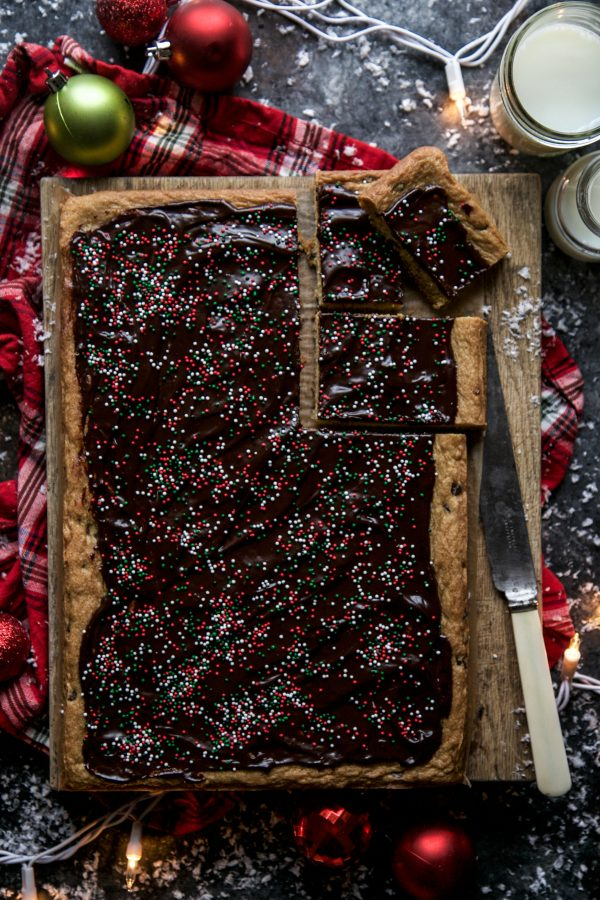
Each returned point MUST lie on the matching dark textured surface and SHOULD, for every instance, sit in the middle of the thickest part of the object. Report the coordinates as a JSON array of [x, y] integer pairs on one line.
[[527, 846]]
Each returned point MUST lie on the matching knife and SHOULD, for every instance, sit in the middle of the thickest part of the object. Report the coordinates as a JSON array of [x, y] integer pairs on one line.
[[513, 573]]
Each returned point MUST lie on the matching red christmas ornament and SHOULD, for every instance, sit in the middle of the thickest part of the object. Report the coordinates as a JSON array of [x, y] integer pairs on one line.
[[207, 45], [332, 835], [131, 22], [14, 647], [434, 862]]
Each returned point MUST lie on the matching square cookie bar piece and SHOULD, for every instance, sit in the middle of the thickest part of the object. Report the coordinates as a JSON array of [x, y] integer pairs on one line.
[[394, 370], [356, 264], [446, 240]]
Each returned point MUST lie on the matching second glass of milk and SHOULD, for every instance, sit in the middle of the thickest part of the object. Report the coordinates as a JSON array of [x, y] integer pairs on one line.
[[572, 209], [545, 98]]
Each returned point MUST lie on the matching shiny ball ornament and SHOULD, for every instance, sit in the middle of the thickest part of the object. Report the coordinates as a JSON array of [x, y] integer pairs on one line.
[[89, 120], [207, 45], [331, 836], [131, 22], [14, 647], [434, 862]]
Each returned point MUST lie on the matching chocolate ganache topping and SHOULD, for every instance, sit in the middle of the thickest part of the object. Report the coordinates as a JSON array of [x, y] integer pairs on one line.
[[386, 370], [358, 265], [269, 593], [430, 232]]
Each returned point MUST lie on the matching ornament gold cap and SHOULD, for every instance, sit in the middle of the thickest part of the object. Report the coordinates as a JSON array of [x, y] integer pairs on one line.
[[159, 50], [55, 81]]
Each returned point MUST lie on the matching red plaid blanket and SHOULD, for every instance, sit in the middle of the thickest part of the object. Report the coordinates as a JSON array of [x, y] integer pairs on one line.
[[178, 133]]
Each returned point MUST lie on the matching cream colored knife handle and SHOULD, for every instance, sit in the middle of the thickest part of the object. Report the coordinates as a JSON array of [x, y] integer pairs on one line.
[[547, 745]]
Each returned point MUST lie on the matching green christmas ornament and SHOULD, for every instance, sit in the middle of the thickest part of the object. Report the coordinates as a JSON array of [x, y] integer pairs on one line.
[[88, 119]]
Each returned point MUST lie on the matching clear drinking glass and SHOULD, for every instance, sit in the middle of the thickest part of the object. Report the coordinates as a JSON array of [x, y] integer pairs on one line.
[[545, 98], [572, 209]]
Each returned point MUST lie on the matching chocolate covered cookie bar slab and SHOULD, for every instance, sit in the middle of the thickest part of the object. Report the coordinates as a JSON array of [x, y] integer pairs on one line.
[[248, 603]]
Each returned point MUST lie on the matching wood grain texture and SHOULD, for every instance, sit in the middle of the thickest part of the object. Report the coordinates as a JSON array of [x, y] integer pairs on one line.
[[51, 194], [498, 725]]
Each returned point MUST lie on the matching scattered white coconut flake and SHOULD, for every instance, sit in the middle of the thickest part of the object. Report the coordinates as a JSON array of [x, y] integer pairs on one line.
[[408, 105], [364, 47], [39, 332], [540, 882], [521, 326], [589, 492], [480, 109], [422, 90], [302, 58], [377, 71], [524, 273]]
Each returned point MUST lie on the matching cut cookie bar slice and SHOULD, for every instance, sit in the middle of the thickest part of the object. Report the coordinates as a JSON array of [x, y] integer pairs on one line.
[[393, 370], [356, 264], [446, 240]]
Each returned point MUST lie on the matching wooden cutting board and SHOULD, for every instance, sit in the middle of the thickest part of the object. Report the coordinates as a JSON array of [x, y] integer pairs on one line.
[[510, 294]]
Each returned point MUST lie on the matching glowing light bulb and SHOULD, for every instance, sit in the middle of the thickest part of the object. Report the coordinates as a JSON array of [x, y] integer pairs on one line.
[[131, 873], [456, 85], [134, 854], [571, 658]]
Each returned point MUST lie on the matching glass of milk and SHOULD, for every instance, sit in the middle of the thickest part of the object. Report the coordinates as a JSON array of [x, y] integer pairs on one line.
[[545, 98], [572, 209]]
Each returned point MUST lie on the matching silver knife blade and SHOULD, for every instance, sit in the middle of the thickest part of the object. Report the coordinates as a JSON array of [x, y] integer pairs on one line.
[[501, 503]]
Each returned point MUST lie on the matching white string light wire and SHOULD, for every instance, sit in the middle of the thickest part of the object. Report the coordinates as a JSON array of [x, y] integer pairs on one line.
[[571, 678], [474, 53], [347, 15], [578, 682], [325, 18], [136, 809]]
